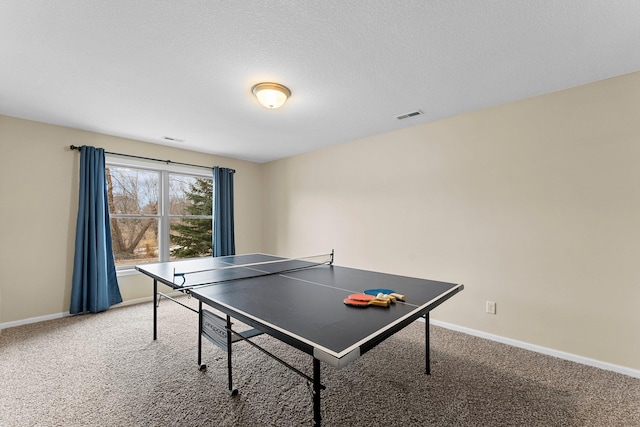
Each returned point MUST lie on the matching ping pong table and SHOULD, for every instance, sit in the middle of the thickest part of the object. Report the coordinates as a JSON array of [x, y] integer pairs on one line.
[[297, 301]]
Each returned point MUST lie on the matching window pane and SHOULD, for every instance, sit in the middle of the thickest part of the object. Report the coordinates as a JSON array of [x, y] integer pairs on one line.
[[190, 238], [140, 203], [132, 191], [135, 240], [189, 195]]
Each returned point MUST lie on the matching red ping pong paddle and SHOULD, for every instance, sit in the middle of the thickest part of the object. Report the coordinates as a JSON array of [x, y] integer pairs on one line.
[[364, 304], [365, 300], [355, 303]]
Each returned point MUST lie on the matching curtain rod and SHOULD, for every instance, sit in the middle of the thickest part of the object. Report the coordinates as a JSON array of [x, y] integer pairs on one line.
[[74, 147]]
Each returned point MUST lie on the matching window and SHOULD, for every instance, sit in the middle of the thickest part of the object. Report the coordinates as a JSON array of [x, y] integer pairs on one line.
[[158, 214]]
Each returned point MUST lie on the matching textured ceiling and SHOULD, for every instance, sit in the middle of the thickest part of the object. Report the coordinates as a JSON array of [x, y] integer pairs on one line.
[[147, 69]]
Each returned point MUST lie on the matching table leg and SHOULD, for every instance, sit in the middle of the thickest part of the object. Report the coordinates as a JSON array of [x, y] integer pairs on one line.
[[427, 345], [229, 367], [155, 309], [316, 393], [200, 325]]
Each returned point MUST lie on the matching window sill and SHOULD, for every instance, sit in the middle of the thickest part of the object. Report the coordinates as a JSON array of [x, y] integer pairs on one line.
[[129, 271]]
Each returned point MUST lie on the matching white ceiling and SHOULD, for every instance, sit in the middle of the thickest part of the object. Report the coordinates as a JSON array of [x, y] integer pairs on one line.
[[147, 69]]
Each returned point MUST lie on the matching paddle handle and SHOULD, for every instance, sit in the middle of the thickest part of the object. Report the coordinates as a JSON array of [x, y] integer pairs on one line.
[[379, 302], [398, 296]]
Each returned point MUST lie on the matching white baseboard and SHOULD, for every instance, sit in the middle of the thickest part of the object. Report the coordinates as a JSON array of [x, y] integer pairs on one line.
[[30, 320], [539, 349], [38, 319]]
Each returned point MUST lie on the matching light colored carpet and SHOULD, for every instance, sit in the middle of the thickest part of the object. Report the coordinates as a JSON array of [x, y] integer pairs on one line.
[[105, 370]]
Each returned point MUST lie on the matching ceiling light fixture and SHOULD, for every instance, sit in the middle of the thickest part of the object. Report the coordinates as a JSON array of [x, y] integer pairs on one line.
[[271, 95]]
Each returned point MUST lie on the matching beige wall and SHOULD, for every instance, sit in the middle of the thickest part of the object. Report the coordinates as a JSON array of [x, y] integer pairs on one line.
[[534, 205], [39, 192]]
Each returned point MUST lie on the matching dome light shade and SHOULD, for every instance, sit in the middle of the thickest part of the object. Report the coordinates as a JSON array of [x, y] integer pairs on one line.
[[271, 95]]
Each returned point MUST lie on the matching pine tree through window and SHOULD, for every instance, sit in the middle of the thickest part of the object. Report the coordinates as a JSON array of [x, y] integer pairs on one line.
[[191, 215]]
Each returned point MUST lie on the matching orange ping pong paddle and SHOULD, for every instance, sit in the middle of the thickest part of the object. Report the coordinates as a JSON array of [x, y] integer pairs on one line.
[[364, 300]]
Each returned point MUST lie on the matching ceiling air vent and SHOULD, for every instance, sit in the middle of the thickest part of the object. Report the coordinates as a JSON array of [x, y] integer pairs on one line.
[[407, 115], [168, 138]]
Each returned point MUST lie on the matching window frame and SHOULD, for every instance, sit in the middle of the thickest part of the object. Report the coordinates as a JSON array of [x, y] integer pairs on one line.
[[163, 216]]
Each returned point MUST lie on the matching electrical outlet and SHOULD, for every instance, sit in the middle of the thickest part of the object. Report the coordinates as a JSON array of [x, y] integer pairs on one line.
[[491, 307]]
